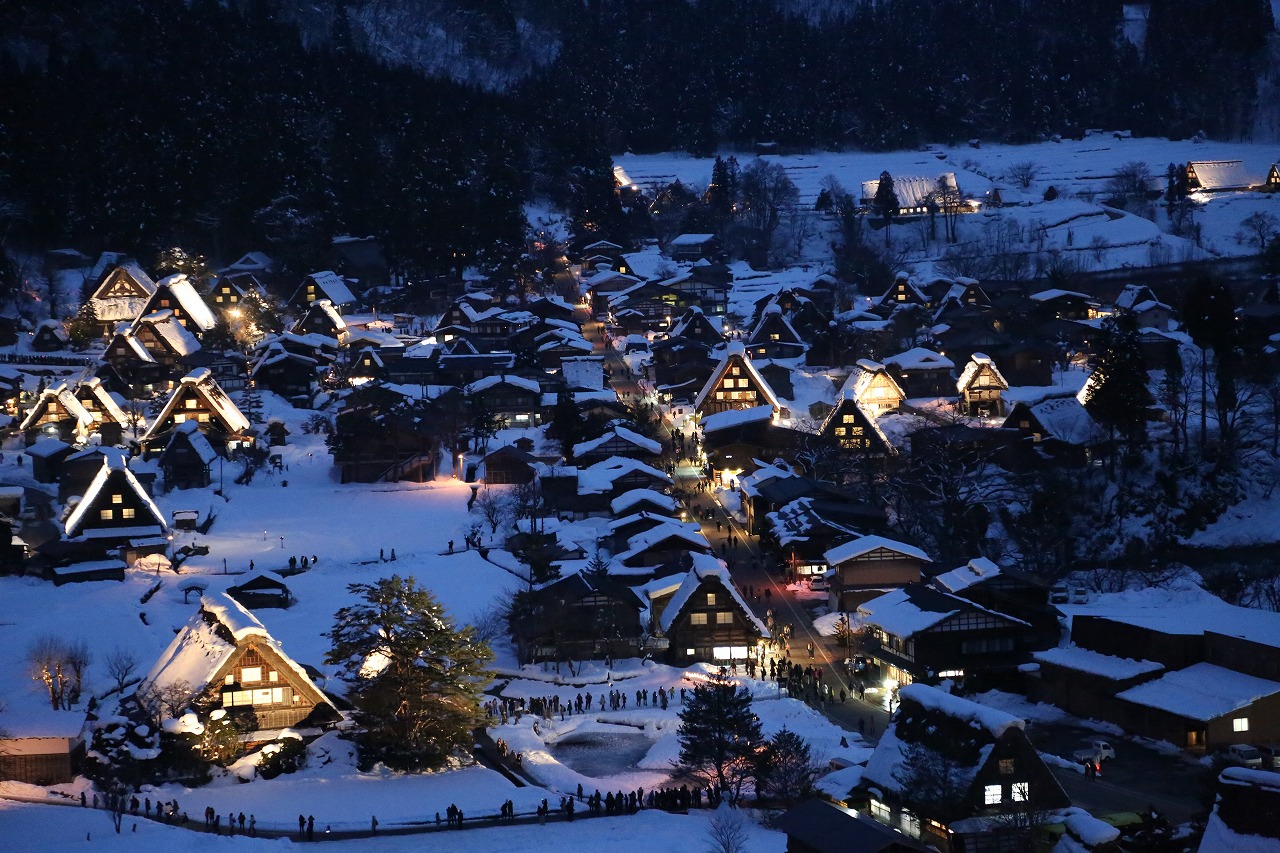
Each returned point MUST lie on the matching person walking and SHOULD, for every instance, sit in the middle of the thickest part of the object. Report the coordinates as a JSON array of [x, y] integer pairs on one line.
[[311, 827], [373, 824]]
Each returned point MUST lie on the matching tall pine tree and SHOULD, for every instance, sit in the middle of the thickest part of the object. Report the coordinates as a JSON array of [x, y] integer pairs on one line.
[[720, 737]]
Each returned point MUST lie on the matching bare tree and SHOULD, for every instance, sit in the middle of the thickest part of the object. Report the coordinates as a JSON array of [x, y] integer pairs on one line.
[[47, 663], [167, 701], [1262, 225], [1023, 174], [494, 506], [78, 658], [1129, 186], [727, 831], [121, 664]]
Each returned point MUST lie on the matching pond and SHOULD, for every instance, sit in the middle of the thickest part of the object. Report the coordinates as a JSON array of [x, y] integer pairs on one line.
[[602, 754]]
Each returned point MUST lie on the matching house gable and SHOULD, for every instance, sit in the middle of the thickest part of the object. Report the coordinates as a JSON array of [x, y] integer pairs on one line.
[[115, 505], [735, 384]]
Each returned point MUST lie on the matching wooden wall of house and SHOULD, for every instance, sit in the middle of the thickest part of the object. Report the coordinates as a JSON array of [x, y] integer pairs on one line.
[[1099, 634], [39, 769]]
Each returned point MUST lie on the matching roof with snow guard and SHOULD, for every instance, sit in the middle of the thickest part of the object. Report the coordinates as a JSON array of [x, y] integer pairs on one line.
[[867, 544], [619, 432], [707, 566], [193, 305], [1202, 691], [912, 609], [1096, 663]]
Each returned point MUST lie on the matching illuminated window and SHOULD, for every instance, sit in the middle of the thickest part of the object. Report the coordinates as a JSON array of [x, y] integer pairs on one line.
[[711, 599], [189, 403], [250, 674], [273, 676], [1021, 791], [106, 515], [724, 617], [229, 679], [203, 417], [719, 395], [697, 618], [992, 795], [880, 810], [840, 431], [127, 512], [774, 336], [734, 371], [234, 298], [1240, 724], [218, 298], [117, 499], [849, 419]]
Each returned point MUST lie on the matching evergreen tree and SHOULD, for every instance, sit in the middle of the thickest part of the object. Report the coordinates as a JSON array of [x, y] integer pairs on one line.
[[720, 737], [1117, 395], [414, 678], [597, 567], [791, 768], [885, 202]]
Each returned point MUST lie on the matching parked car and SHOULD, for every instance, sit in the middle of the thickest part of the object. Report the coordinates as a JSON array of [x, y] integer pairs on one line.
[[819, 583], [1270, 755], [1059, 595], [1096, 751], [1079, 595], [1243, 753]]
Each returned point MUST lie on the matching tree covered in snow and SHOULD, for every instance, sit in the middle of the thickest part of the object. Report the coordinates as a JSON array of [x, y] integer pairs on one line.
[[414, 678]]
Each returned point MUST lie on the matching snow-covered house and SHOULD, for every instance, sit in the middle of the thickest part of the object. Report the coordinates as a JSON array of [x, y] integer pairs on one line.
[[707, 619], [187, 457], [199, 398], [873, 388], [642, 500], [915, 193], [580, 617], [516, 399], [1217, 176], [734, 384], [864, 567], [661, 544], [821, 826], [992, 771], [322, 285], [1060, 429], [692, 247], [903, 291], [921, 372], [115, 507], [919, 633], [50, 336], [147, 353], [57, 414], [981, 387], [176, 293], [121, 295], [694, 325], [321, 318], [618, 441], [1140, 301], [775, 337], [225, 659]]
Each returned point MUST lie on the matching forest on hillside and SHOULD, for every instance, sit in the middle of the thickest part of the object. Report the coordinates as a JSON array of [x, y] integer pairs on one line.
[[271, 123]]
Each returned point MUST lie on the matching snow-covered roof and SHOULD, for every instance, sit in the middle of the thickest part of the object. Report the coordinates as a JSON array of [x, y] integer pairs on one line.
[[631, 437], [1096, 663], [168, 329], [867, 544], [111, 403], [628, 499], [977, 362], [191, 429], [1220, 174], [864, 373], [63, 395], [920, 358], [332, 286], [192, 303], [1056, 292], [912, 190], [996, 722], [736, 352], [706, 566], [601, 476], [666, 530], [736, 417], [899, 611], [504, 379], [976, 570], [114, 462], [325, 306], [202, 648], [206, 387], [691, 239], [1067, 420], [1202, 691]]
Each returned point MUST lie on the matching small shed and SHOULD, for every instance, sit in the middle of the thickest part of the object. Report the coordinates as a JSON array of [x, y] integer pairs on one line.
[[262, 590], [186, 519]]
